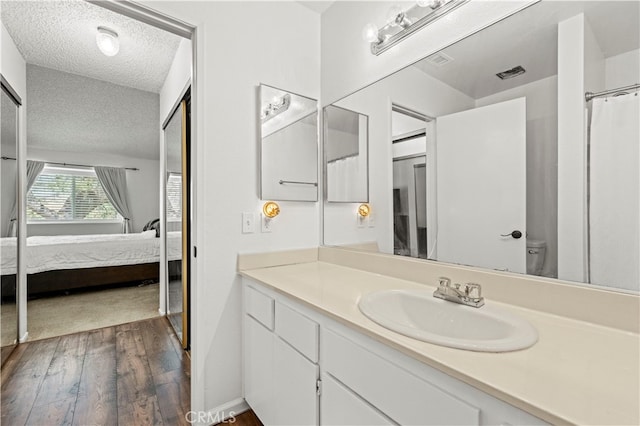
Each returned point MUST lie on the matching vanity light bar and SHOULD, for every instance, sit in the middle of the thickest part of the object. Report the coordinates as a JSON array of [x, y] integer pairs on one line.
[[278, 106], [404, 24]]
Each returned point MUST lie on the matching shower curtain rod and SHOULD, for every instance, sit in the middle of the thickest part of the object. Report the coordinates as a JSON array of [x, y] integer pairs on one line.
[[590, 95], [135, 169]]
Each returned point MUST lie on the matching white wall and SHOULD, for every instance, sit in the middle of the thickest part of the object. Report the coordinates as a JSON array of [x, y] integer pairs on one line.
[[177, 78], [622, 70], [347, 62], [281, 48], [410, 88], [571, 150], [13, 65], [143, 187], [542, 158]]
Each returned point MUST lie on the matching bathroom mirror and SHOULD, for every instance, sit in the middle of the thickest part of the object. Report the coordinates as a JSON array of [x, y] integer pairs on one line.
[[288, 146], [346, 162], [474, 158], [177, 136], [8, 204]]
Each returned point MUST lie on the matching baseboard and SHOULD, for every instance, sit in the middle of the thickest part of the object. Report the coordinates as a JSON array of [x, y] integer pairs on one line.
[[222, 412], [161, 312], [24, 338]]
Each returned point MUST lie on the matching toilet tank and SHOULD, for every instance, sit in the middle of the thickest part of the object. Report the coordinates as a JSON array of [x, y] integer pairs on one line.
[[536, 251]]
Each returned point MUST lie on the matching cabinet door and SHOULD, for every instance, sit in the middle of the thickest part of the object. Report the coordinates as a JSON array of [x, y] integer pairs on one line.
[[258, 370], [340, 406], [295, 387]]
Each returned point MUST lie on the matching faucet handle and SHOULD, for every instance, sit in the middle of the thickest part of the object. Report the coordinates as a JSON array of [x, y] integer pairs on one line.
[[444, 282], [473, 290]]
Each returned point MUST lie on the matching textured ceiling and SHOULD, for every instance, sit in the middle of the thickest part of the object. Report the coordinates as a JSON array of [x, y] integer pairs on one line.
[[68, 112], [62, 35], [529, 38]]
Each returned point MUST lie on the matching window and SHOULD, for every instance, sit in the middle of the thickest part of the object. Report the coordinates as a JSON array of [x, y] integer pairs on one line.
[[174, 197], [69, 194]]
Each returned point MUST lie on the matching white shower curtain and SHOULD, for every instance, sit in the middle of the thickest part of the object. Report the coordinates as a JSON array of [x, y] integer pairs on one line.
[[344, 180], [614, 215]]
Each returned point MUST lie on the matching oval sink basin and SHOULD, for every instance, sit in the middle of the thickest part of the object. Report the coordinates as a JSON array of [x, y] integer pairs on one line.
[[417, 314]]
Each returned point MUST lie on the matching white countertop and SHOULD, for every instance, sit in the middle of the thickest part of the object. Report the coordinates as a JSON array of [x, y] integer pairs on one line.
[[577, 373]]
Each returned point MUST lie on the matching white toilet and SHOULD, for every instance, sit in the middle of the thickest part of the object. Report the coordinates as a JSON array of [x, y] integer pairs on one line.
[[536, 250]]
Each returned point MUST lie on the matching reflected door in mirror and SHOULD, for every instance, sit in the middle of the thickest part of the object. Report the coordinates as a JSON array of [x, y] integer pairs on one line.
[[177, 205], [8, 217]]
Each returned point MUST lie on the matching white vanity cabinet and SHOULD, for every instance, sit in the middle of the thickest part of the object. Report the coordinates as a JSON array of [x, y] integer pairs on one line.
[[280, 361], [291, 349]]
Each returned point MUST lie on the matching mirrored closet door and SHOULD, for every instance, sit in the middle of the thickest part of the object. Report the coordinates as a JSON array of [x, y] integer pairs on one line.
[[177, 214], [8, 219]]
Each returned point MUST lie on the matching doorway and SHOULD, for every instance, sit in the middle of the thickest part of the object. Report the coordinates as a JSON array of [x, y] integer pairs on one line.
[[80, 172], [412, 148]]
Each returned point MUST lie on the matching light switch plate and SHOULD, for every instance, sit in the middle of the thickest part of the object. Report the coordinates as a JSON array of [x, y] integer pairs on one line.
[[248, 223]]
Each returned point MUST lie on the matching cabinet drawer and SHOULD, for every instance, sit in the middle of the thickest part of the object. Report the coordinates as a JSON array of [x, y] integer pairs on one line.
[[340, 406], [259, 306], [297, 330], [399, 394]]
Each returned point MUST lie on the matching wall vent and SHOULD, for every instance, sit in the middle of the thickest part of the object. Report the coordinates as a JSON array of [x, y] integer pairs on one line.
[[513, 72], [439, 59]]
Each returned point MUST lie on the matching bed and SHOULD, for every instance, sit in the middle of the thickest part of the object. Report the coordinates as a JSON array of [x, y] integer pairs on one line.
[[56, 263]]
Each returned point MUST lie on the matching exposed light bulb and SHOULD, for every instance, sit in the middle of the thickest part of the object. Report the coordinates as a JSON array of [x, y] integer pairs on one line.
[[433, 4], [370, 33], [107, 41]]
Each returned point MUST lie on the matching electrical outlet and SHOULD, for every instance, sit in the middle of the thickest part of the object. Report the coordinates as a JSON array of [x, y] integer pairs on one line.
[[267, 223], [248, 223]]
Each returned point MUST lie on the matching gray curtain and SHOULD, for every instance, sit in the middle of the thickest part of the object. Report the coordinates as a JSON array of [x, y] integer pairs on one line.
[[114, 182], [34, 168]]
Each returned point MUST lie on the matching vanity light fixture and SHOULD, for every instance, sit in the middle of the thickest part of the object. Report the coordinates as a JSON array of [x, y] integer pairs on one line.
[[364, 210], [277, 106], [270, 209], [402, 23], [107, 41]]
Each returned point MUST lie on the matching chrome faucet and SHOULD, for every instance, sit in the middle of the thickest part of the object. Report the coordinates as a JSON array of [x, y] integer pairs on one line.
[[466, 294]]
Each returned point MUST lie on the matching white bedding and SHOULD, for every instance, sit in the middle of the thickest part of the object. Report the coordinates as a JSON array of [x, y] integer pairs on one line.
[[8, 249], [47, 253]]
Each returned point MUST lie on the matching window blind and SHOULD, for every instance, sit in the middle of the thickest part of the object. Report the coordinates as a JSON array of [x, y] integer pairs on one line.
[[174, 197], [68, 194]]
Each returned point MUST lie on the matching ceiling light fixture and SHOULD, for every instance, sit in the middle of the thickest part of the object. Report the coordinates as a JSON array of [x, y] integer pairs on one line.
[[107, 41], [402, 23]]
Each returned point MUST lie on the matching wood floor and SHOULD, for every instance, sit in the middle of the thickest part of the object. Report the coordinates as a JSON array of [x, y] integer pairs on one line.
[[248, 418], [131, 374]]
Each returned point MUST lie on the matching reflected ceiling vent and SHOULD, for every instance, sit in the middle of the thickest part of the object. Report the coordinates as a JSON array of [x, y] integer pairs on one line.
[[439, 59], [513, 72]]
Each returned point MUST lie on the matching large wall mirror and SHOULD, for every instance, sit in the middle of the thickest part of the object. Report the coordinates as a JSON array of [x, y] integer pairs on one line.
[[8, 217], [177, 137], [288, 146], [474, 158]]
